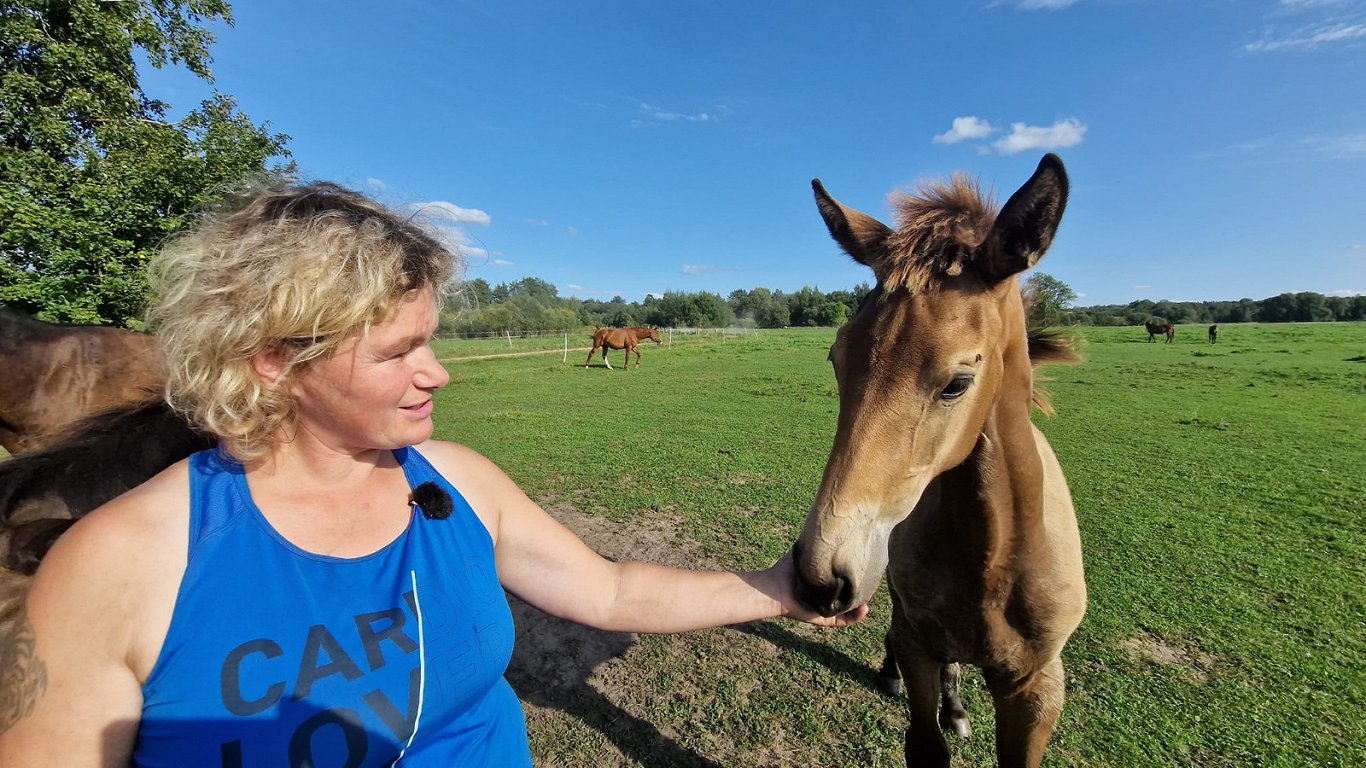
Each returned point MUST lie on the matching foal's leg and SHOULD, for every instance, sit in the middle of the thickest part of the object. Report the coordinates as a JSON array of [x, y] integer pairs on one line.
[[593, 349], [889, 677], [919, 676], [925, 745], [1027, 709], [952, 715], [605, 361]]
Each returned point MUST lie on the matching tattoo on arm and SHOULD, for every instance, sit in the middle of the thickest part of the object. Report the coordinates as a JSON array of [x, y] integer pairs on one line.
[[23, 676]]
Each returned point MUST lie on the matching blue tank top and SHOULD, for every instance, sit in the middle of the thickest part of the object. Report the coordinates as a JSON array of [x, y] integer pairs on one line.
[[276, 656]]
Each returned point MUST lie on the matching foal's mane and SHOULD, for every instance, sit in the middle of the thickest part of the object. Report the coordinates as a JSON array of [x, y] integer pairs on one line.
[[939, 227]]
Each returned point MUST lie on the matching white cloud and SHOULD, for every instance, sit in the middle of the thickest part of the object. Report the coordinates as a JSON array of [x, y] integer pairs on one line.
[[503, 263], [537, 222], [965, 128], [655, 115], [1143, 287], [1348, 147], [583, 290], [1312, 3], [659, 113], [699, 269], [1345, 293], [573, 231], [1064, 133], [1310, 39], [1044, 5], [374, 183], [439, 211]]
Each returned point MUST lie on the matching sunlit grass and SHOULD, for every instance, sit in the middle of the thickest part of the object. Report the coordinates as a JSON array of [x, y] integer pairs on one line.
[[1219, 490]]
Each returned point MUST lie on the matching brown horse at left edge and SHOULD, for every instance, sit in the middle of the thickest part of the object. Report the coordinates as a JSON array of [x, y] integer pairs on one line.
[[53, 375]]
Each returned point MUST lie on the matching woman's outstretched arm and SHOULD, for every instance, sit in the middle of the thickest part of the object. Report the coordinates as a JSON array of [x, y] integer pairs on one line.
[[544, 563]]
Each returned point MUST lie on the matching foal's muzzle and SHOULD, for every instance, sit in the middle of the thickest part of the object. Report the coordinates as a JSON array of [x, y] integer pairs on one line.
[[828, 598]]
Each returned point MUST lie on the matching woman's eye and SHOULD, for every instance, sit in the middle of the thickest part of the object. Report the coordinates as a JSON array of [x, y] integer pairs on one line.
[[956, 388]]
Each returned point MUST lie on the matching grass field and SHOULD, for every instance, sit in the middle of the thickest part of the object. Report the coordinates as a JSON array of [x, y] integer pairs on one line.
[[1219, 489]]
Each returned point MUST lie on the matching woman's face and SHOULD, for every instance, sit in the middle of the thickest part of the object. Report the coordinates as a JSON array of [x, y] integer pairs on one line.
[[375, 390]]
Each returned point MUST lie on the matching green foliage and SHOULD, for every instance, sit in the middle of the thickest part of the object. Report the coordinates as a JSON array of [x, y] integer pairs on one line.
[[1305, 307], [688, 310], [92, 177], [1049, 299]]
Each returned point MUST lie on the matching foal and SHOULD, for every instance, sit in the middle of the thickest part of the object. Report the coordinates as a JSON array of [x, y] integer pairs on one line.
[[937, 473]]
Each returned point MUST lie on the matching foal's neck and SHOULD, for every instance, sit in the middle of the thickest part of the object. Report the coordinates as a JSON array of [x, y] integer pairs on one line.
[[1001, 493]]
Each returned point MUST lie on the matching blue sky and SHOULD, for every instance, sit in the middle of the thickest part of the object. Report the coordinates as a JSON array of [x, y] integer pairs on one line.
[[1217, 148]]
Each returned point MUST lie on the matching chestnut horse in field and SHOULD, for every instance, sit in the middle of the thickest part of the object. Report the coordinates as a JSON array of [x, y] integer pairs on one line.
[[937, 474], [1160, 329], [52, 375], [621, 338]]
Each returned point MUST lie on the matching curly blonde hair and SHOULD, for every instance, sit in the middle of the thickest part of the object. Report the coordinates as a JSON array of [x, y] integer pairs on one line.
[[297, 268]]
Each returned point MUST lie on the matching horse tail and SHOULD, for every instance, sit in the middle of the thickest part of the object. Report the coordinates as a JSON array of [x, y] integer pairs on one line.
[[44, 492]]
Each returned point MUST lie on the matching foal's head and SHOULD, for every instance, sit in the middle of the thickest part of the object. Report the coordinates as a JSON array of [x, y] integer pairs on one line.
[[938, 345]]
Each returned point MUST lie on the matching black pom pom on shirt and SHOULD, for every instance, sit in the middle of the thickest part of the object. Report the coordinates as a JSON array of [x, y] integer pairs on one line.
[[435, 503]]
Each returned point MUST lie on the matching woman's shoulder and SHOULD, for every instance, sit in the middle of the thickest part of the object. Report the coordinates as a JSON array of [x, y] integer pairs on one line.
[[116, 570], [483, 484], [143, 531], [455, 461]]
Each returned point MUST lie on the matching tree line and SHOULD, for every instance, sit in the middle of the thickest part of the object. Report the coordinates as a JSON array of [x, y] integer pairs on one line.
[[533, 305]]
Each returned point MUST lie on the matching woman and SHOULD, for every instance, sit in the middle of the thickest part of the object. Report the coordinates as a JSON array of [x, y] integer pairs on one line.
[[320, 613]]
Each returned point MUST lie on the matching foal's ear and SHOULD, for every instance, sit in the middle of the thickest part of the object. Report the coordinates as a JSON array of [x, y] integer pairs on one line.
[[1025, 227], [861, 236]]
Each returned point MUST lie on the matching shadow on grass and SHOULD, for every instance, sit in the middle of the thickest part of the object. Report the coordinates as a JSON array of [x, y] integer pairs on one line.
[[818, 651], [551, 663]]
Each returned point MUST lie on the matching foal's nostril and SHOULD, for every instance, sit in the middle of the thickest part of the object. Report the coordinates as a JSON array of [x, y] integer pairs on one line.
[[844, 593], [828, 598]]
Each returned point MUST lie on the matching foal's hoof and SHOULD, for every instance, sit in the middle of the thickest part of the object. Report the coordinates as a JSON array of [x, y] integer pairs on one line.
[[892, 686], [958, 725]]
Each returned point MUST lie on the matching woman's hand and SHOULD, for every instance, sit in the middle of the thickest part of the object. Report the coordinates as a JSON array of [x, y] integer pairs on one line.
[[777, 583]]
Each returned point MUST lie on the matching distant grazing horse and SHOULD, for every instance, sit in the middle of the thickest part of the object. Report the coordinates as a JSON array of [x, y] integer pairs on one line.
[[937, 473], [1213, 333], [1165, 329], [52, 375], [621, 338]]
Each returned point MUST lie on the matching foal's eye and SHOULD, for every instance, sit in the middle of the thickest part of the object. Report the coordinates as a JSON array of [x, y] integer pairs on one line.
[[956, 388]]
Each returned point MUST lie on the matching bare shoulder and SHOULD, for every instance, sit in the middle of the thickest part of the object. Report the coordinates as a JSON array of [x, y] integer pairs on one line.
[[461, 464], [135, 530], [489, 491], [110, 570]]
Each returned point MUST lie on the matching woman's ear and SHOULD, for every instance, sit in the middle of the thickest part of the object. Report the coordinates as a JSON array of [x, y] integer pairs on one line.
[[270, 364]]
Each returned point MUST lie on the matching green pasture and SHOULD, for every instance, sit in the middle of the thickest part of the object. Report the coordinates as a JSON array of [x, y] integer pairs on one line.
[[1220, 494]]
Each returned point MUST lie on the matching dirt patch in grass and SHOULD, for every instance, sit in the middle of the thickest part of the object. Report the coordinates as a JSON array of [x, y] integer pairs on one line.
[[611, 700], [1194, 663], [566, 674]]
